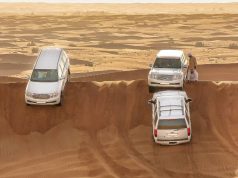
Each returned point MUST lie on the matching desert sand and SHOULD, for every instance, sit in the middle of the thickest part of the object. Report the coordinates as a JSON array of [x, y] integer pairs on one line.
[[109, 42], [104, 127]]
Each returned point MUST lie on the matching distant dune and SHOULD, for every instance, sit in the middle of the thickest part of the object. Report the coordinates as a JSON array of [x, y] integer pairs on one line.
[[134, 8]]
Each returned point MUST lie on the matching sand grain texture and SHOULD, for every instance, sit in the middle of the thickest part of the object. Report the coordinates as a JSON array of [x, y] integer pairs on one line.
[[104, 130]]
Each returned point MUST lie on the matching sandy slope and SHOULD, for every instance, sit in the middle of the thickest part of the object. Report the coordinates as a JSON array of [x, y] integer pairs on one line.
[[104, 130]]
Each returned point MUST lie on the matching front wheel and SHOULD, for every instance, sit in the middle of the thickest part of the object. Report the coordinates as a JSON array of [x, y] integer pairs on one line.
[[68, 76], [151, 89], [61, 100], [182, 87]]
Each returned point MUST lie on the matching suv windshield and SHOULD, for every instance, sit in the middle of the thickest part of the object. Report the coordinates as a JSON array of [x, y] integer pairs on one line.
[[167, 63], [172, 124], [44, 75]]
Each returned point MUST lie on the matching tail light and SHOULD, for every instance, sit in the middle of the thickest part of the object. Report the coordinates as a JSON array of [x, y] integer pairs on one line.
[[189, 132], [155, 133]]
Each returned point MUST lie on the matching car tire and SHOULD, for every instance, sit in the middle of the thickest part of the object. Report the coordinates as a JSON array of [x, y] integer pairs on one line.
[[152, 138], [68, 76], [61, 99], [151, 89]]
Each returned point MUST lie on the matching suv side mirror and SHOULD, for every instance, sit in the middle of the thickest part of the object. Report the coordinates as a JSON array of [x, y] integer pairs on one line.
[[151, 102], [185, 66], [188, 100], [150, 65]]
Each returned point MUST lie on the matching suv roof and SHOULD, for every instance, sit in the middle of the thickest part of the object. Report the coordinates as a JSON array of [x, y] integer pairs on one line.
[[173, 93], [171, 104], [170, 53], [48, 58], [170, 107]]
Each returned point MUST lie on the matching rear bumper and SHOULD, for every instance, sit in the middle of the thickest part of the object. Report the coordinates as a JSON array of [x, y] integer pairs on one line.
[[172, 142], [50, 101], [166, 84]]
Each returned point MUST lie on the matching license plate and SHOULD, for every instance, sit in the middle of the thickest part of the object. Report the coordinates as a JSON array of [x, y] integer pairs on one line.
[[41, 102], [173, 135]]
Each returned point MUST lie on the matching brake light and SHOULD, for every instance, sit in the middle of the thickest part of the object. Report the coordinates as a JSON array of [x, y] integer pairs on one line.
[[189, 132], [155, 133]]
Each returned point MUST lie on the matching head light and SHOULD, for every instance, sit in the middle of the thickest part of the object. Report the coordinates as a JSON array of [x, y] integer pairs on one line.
[[153, 75], [177, 77], [29, 94], [55, 94]]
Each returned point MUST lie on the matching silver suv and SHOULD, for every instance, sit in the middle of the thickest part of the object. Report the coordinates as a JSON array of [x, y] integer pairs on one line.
[[171, 117], [169, 70], [48, 79]]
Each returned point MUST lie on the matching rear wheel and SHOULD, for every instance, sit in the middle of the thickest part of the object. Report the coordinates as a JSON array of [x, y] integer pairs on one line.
[[152, 138]]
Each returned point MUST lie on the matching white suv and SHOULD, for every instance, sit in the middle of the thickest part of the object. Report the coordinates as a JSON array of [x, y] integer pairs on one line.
[[48, 78], [169, 70], [171, 117]]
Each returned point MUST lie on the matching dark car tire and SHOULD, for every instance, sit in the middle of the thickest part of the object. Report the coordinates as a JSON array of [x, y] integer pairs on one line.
[[61, 100], [151, 89], [68, 76]]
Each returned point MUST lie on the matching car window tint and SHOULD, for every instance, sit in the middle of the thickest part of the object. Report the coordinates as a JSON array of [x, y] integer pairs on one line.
[[187, 116], [167, 63], [60, 72], [172, 124], [44, 75]]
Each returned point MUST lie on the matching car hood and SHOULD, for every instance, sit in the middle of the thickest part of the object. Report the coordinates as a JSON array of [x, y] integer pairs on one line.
[[42, 87], [166, 71]]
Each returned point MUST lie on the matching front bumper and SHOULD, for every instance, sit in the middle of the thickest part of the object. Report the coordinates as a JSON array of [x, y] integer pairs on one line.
[[162, 83], [172, 142], [50, 101]]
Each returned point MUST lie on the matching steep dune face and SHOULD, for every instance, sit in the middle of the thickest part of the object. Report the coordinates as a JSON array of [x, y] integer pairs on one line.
[[104, 130], [90, 105]]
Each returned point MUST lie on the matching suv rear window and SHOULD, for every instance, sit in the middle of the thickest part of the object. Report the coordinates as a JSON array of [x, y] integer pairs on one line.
[[172, 124], [174, 63]]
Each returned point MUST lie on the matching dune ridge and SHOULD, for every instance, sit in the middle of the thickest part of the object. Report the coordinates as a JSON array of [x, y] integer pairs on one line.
[[104, 130]]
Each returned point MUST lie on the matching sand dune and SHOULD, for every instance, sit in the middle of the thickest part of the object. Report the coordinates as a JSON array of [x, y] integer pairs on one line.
[[104, 130]]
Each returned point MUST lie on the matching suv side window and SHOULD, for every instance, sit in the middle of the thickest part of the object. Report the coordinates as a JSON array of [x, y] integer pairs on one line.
[[186, 113], [65, 58], [59, 71], [62, 64], [155, 114], [184, 59], [187, 117]]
